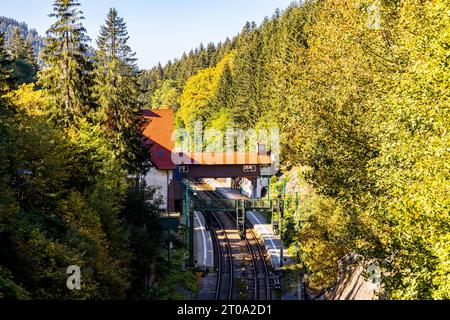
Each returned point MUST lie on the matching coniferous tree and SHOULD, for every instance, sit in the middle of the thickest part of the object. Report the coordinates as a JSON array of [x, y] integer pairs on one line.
[[247, 85], [29, 55], [210, 53], [67, 72], [224, 95], [364, 109], [4, 72], [16, 45], [113, 41], [116, 90], [23, 61], [202, 59]]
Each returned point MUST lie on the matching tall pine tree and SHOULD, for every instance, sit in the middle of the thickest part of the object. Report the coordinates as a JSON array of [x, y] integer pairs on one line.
[[67, 72], [223, 99], [116, 89], [4, 72], [23, 61], [29, 55], [247, 85], [16, 45]]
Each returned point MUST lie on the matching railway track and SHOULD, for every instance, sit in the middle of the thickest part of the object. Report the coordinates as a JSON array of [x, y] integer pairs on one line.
[[260, 283], [225, 267], [223, 258]]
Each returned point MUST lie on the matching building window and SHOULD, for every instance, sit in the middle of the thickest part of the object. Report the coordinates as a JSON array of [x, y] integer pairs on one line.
[[249, 168], [265, 170], [184, 169], [160, 154]]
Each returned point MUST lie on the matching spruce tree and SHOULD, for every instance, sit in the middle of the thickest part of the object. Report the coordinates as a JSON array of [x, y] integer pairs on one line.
[[67, 72], [5, 74], [116, 90], [29, 55], [210, 54], [223, 99], [16, 45], [23, 61], [113, 40], [246, 88], [202, 62]]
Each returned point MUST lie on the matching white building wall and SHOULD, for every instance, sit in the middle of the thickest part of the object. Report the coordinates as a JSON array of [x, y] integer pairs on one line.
[[261, 183], [229, 182], [247, 188], [160, 179], [251, 190]]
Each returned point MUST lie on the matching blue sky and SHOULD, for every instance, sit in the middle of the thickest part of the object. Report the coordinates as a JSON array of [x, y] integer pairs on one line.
[[159, 29]]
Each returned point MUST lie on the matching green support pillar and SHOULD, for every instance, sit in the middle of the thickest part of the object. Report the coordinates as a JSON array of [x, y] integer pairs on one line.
[[282, 210], [282, 206], [272, 212], [189, 221], [191, 239], [240, 218], [186, 211], [260, 184], [281, 255]]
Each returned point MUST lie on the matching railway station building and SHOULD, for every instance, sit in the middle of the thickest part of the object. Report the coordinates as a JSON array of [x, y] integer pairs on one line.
[[243, 171]]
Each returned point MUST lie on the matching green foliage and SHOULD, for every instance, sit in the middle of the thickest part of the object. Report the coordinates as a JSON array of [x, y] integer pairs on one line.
[[116, 91], [9, 289], [16, 45], [19, 49], [63, 203], [180, 70], [362, 98], [166, 97], [23, 72], [23, 61], [222, 100], [412, 172], [8, 26], [5, 73], [64, 189], [113, 40], [31, 101], [247, 81], [141, 213], [322, 240], [67, 72], [197, 99]]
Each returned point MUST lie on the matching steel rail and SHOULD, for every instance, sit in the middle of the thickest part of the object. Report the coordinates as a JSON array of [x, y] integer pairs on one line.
[[221, 256], [229, 256], [255, 259]]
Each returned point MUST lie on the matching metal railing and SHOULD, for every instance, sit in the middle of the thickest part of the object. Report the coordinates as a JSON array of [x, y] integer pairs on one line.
[[231, 205]]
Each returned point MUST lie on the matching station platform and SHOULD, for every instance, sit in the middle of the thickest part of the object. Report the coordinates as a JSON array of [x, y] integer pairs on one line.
[[261, 226], [203, 246]]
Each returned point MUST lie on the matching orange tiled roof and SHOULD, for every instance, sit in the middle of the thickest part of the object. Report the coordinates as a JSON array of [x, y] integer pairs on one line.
[[159, 131]]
